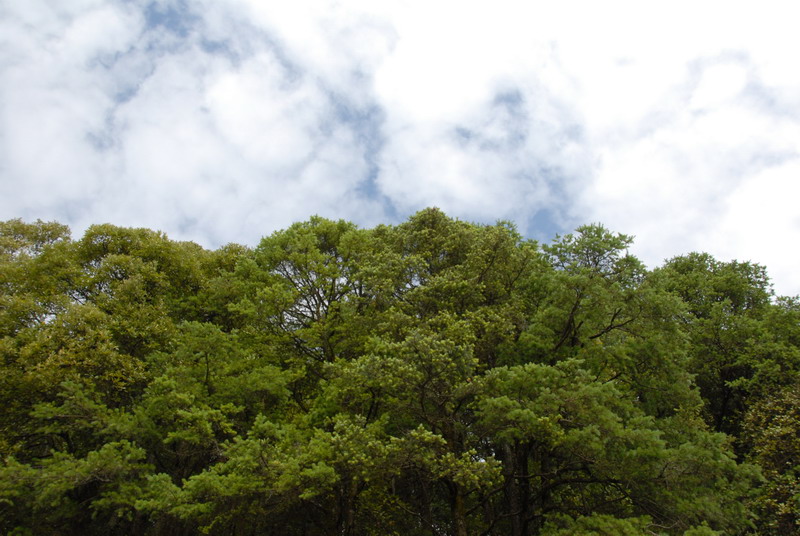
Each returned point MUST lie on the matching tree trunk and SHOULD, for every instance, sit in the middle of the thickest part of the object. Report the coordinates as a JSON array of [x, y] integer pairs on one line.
[[347, 514], [512, 488], [458, 510], [517, 487], [545, 485]]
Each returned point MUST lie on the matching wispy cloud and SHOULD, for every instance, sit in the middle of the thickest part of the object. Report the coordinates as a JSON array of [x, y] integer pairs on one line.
[[179, 116], [224, 120]]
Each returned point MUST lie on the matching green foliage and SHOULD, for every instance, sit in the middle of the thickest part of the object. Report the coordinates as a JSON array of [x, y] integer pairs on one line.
[[773, 429], [725, 303], [597, 525], [433, 377], [93, 492]]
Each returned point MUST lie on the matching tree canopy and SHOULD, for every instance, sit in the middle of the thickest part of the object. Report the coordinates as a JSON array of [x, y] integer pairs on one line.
[[428, 378]]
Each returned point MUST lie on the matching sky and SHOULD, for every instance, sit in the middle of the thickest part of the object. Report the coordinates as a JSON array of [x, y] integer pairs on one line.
[[223, 121]]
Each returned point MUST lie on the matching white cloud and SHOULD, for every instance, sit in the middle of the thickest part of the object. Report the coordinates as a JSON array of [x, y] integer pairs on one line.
[[672, 183], [269, 119], [51, 100], [339, 44], [719, 85], [223, 120], [110, 121], [754, 220]]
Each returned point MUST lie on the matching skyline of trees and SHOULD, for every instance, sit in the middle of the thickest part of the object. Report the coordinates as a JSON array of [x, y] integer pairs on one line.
[[432, 377]]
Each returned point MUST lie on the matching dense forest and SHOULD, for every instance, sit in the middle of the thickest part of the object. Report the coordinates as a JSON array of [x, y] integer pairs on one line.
[[435, 377]]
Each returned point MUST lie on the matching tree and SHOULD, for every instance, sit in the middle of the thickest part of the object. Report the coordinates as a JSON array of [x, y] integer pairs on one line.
[[772, 427], [427, 378], [726, 305]]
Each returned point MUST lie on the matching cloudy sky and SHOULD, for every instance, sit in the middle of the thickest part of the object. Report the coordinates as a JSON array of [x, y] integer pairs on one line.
[[223, 120]]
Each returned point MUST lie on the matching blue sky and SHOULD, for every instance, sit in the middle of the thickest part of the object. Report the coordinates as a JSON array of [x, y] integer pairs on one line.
[[222, 121]]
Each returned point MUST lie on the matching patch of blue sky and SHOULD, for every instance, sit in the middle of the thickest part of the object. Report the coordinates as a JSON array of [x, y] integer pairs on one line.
[[175, 16], [129, 68], [366, 124], [510, 126], [512, 120], [221, 48], [125, 87], [127, 93], [544, 225], [508, 121], [545, 222], [292, 72]]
